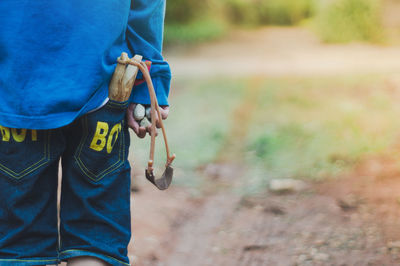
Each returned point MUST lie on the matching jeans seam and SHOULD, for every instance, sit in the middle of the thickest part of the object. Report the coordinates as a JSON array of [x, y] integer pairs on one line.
[[33, 167], [86, 171], [115, 104], [81, 250], [32, 260]]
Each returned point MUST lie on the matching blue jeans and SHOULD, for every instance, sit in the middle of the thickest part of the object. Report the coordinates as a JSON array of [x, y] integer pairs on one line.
[[95, 191]]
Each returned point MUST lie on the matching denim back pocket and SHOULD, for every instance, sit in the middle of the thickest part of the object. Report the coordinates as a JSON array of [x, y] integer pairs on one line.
[[103, 145], [23, 151]]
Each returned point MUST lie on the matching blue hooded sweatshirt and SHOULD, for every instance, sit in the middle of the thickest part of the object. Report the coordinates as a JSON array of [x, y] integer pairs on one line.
[[57, 56]]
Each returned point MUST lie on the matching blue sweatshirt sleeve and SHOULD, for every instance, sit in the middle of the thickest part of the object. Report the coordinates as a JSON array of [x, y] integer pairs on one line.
[[145, 36]]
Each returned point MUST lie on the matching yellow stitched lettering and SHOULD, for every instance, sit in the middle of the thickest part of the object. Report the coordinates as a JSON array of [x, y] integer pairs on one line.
[[34, 135], [5, 133], [99, 139], [110, 143], [18, 137]]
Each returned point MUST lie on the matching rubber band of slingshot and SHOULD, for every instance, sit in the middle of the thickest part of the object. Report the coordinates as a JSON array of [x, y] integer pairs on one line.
[[155, 110]]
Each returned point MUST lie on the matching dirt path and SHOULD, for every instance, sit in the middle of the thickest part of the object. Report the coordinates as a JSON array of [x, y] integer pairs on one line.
[[349, 221], [281, 52], [337, 222]]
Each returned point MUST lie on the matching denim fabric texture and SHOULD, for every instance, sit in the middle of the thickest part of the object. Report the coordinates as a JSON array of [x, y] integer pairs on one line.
[[95, 191]]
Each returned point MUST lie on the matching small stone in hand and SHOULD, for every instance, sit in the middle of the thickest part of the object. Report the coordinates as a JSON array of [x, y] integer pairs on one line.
[[148, 113], [139, 112], [145, 122]]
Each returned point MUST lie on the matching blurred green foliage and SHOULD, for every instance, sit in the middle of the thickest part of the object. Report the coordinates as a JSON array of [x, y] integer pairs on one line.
[[189, 21], [276, 12], [184, 11], [195, 31], [309, 128], [319, 127], [350, 20]]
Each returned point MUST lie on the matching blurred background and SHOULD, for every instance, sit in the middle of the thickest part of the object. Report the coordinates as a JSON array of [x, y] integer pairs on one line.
[[285, 119]]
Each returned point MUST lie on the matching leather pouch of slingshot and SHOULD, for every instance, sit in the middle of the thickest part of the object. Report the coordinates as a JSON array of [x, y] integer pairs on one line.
[[120, 89]]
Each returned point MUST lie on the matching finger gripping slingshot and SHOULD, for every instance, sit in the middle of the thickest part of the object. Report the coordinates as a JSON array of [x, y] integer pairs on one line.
[[120, 89]]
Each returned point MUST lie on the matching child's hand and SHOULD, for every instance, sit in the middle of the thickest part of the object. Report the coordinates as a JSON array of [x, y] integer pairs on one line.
[[141, 131]]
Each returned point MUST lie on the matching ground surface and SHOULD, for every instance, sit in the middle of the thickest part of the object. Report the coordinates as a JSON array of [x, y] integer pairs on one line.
[[349, 220], [281, 52]]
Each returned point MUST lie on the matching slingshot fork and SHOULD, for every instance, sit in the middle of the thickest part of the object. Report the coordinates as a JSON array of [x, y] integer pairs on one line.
[[120, 88], [165, 180]]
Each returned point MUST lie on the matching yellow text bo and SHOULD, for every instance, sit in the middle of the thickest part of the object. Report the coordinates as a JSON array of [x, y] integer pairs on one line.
[[102, 138], [18, 135]]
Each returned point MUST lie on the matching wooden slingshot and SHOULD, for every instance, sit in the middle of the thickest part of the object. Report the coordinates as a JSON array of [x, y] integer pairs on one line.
[[121, 85]]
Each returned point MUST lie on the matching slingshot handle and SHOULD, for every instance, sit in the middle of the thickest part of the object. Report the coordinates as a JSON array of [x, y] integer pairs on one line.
[[124, 76]]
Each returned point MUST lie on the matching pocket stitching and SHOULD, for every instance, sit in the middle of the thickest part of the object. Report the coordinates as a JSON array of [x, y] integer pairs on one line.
[[84, 168], [33, 167], [115, 104]]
